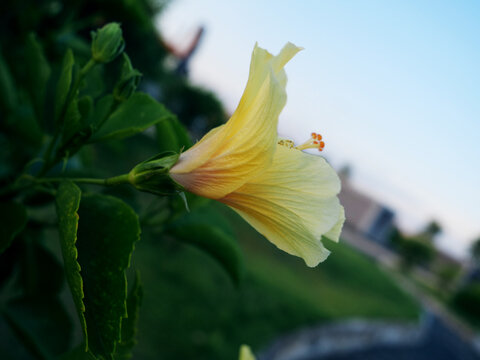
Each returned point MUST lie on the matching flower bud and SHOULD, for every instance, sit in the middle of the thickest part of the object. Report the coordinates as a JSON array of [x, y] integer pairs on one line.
[[128, 82], [107, 43], [153, 176]]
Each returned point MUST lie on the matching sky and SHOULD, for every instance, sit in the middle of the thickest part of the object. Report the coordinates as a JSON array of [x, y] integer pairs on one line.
[[393, 87]]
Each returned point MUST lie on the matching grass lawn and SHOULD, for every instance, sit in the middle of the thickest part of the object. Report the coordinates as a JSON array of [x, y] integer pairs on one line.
[[191, 310]]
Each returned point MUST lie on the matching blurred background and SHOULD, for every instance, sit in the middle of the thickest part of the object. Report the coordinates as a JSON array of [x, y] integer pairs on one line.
[[393, 87]]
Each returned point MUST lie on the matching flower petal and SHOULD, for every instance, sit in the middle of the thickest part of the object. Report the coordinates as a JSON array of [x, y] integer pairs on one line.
[[335, 231], [292, 203], [230, 155]]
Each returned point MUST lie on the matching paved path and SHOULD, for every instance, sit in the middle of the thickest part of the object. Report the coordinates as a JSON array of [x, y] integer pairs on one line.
[[390, 261]]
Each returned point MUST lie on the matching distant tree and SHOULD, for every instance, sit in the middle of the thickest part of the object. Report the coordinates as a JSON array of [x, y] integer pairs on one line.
[[396, 238], [432, 229], [475, 251], [416, 251], [345, 172], [447, 275]]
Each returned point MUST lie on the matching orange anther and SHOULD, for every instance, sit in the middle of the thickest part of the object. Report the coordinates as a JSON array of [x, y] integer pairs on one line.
[[314, 135], [316, 142], [322, 144], [319, 137]]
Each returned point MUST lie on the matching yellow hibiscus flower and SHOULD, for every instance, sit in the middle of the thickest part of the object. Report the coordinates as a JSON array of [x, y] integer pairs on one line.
[[287, 195]]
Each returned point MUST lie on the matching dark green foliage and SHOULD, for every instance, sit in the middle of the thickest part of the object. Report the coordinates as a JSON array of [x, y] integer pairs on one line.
[[8, 93], [416, 252], [37, 74], [467, 301], [40, 274], [197, 108], [213, 241], [42, 323], [12, 220], [64, 83], [172, 136], [447, 275], [78, 353], [207, 317], [107, 232], [59, 103]]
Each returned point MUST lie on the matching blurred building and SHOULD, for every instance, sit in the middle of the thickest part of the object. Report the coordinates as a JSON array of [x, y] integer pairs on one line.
[[364, 214]]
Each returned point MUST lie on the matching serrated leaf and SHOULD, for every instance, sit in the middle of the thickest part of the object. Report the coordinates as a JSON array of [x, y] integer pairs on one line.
[[13, 217], [129, 324], [67, 202], [214, 241], [172, 136], [64, 83], [135, 115], [107, 232], [38, 73]]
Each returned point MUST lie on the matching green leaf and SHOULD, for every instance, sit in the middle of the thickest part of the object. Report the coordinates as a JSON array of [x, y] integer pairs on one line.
[[13, 217], [94, 82], [102, 110], [129, 324], [38, 73], [67, 203], [85, 106], [133, 116], [172, 136], [107, 232], [64, 83], [214, 241]]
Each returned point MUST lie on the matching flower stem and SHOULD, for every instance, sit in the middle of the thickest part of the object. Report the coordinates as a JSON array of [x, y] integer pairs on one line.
[[15, 187], [116, 180], [88, 66]]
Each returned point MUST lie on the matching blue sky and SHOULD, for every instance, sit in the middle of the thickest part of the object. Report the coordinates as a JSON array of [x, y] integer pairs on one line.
[[393, 86]]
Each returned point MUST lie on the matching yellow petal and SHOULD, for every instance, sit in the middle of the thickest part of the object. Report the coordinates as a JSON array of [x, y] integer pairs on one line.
[[292, 203], [335, 231], [246, 353], [230, 155]]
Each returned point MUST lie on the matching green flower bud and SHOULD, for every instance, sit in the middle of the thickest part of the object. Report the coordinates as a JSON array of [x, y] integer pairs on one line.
[[107, 43], [153, 176], [128, 82]]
